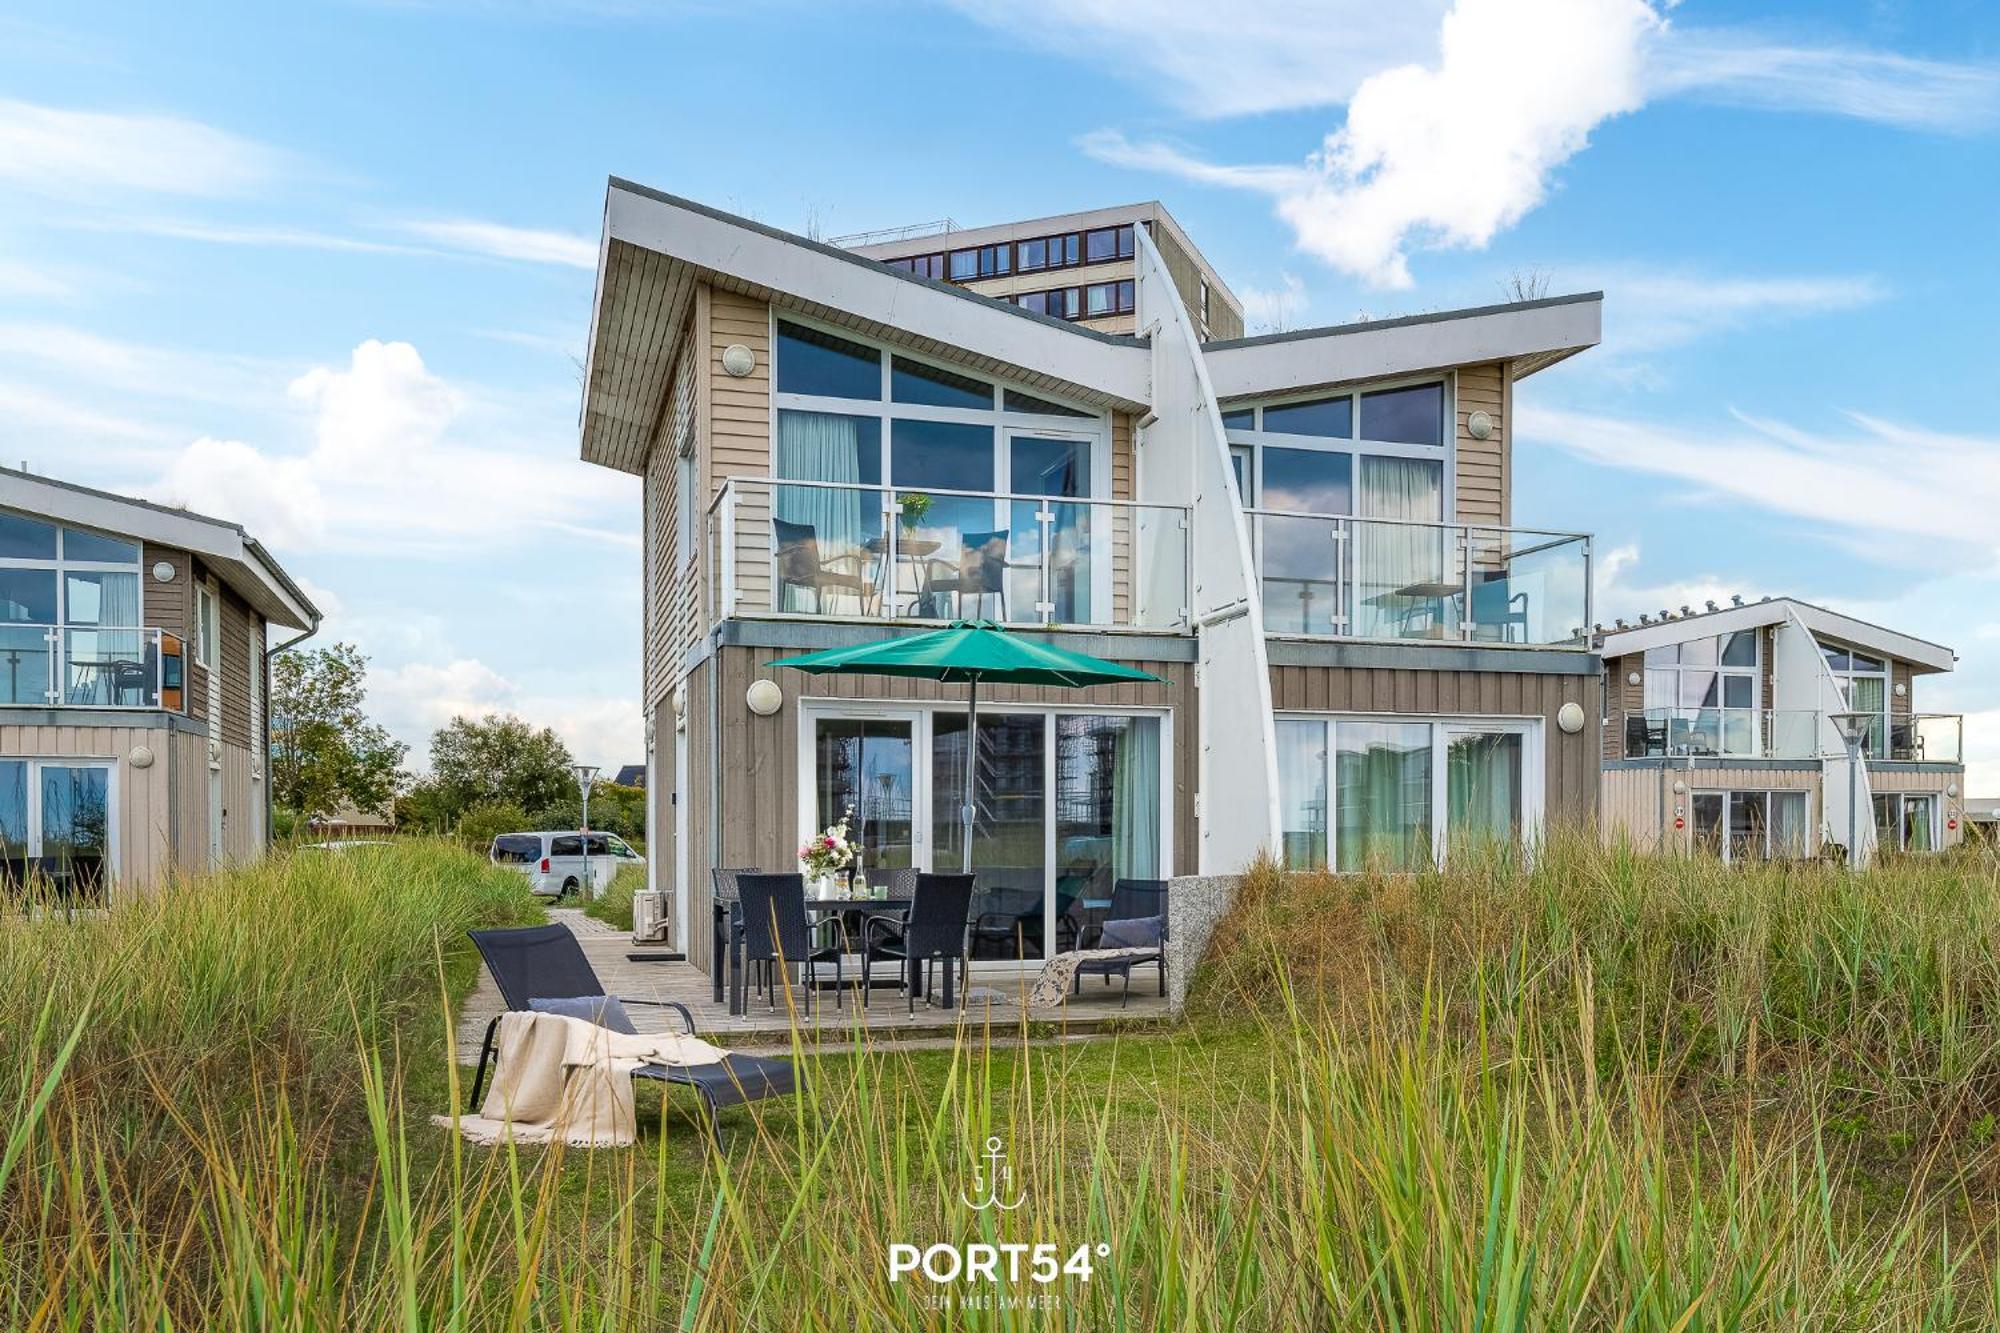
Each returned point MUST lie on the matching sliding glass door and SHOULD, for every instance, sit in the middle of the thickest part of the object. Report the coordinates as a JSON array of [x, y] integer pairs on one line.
[[56, 826], [1400, 794], [1067, 803]]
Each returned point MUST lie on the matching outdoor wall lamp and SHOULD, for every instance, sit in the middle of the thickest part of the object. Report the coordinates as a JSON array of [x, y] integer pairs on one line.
[[738, 360], [1570, 718], [1479, 426], [1901, 689], [1680, 788], [764, 697], [1632, 678]]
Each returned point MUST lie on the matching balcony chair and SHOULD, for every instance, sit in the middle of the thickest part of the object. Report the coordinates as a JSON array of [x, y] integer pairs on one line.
[[931, 929], [1137, 919], [547, 963], [777, 934], [801, 568], [1008, 924], [981, 573], [1904, 742], [1494, 606]]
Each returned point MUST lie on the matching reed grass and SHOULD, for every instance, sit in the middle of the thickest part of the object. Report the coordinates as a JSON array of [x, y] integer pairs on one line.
[[1600, 1091]]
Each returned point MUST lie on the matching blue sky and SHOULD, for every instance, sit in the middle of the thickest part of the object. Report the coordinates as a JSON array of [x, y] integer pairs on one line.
[[326, 268]]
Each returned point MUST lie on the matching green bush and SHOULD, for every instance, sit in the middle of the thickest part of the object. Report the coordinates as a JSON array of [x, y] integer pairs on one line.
[[615, 907], [482, 823]]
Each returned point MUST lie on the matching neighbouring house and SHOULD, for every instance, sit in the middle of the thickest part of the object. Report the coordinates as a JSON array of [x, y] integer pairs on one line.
[[1081, 267], [134, 642], [1982, 818], [351, 821], [631, 775], [1721, 733], [1305, 535]]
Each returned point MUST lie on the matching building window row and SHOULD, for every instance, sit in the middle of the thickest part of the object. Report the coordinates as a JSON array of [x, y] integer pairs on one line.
[[1094, 301], [1101, 245]]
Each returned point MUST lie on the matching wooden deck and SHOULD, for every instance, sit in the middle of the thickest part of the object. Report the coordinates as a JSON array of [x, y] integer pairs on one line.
[[994, 1001]]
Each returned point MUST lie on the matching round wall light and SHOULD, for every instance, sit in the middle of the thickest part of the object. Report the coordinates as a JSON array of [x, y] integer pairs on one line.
[[1570, 718], [764, 697], [163, 572], [738, 360], [1479, 426], [1680, 788], [1951, 789], [141, 757], [1633, 678], [1901, 689]]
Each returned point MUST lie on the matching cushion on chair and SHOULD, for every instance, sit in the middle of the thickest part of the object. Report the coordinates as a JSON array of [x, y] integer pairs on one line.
[[1136, 933], [603, 1010]]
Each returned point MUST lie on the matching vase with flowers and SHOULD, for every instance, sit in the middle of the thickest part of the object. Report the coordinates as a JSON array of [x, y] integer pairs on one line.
[[824, 856]]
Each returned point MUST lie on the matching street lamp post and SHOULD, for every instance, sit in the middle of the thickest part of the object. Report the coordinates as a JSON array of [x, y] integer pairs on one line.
[[1854, 730], [585, 775]]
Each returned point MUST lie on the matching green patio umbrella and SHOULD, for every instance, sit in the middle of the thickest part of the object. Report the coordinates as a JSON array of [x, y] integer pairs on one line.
[[976, 652]]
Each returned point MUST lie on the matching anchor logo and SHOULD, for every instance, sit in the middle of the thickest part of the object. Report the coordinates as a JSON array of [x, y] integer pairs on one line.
[[989, 1180]]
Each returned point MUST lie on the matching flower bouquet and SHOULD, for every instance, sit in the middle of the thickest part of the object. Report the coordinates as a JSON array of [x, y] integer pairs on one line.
[[826, 854]]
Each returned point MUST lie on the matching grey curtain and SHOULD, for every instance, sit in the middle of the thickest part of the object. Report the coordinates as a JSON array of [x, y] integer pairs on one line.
[[1389, 557]]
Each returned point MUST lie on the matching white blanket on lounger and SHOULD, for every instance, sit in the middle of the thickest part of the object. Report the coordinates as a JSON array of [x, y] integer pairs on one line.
[[564, 1080]]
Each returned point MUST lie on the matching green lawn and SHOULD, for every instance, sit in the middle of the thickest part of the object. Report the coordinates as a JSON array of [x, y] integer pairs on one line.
[[1607, 1092]]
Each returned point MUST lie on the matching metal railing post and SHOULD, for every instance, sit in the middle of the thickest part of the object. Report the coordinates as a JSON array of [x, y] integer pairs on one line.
[[728, 552], [1045, 519]]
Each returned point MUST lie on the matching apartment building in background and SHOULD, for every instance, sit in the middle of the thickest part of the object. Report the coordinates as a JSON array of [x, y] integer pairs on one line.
[[134, 728], [1306, 536], [1080, 267], [1722, 733]]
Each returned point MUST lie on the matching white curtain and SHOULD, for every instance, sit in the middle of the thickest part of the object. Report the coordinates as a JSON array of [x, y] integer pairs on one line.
[[1389, 558], [819, 446]]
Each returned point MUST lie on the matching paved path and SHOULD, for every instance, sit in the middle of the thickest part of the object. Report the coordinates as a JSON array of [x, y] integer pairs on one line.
[[886, 1018]]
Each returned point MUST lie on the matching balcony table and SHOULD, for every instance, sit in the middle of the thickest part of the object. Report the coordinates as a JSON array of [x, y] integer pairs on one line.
[[728, 941], [913, 553]]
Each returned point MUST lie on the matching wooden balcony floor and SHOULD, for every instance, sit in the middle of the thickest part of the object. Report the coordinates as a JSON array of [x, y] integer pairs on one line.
[[994, 1001]]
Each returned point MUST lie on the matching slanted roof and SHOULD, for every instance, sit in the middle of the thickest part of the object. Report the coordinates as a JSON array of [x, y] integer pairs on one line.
[[657, 247], [239, 559], [1922, 655], [1532, 335]]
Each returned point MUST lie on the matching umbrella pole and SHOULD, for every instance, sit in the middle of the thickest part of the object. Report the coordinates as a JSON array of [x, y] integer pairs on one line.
[[971, 759]]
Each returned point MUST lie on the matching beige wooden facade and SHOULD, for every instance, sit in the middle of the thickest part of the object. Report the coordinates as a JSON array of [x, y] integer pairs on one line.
[[1641, 808]]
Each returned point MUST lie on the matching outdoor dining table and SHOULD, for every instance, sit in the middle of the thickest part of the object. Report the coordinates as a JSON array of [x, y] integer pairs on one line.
[[913, 552], [729, 942]]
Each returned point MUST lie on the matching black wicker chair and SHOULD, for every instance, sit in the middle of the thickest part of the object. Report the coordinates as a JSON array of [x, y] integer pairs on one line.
[[930, 929], [546, 963], [777, 934]]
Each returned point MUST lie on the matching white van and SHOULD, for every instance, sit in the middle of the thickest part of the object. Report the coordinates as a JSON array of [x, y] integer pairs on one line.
[[555, 861]]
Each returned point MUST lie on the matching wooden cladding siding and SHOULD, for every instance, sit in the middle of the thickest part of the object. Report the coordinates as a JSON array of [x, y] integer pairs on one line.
[[1622, 697], [671, 607], [167, 605], [737, 419], [1640, 804], [1571, 763], [1483, 478], [235, 616]]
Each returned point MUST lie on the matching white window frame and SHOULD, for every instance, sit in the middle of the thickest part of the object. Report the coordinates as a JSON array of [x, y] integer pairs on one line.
[[61, 566], [1677, 669], [1845, 678], [1901, 799], [207, 626], [1255, 439], [113, 852], [920, 714], [1534, 770], [1727, 848]]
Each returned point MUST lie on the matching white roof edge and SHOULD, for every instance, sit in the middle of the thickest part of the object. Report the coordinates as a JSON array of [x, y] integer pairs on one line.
[[257, 574], [1311, 358], [818, 274], [1833, 624]]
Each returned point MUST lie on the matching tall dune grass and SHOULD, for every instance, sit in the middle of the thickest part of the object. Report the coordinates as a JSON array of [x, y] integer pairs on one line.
[[1601, 1092]]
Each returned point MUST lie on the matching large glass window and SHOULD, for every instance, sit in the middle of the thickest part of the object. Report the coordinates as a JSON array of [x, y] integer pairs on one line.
[[1701, 696], [1058, 469], [1412, 415], [811, 361], [933, 386], [1330, 417], [71, 628], [864, 770], [1009, 841], [1402, 793], [55, 826], [1864, 687], [1906, 822], [1107, 812], [1751, 825]]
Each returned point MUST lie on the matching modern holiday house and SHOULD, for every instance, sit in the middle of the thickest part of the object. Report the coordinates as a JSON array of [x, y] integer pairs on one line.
[[1308, 537]]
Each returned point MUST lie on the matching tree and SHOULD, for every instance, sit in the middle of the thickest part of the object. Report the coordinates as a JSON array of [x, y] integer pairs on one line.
[[484, 822], [325, 753], [499, 759]]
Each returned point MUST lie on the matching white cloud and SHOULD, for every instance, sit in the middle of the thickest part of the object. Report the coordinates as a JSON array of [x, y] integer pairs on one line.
[[57, 151], [1273, 310], [415, 699], [1652, 309], [1748, 70], [267, 237], [1457, 119], [1213, 59], [497, 241], [1450, 153], [1870, 484], [401, 461], [1621, 592]]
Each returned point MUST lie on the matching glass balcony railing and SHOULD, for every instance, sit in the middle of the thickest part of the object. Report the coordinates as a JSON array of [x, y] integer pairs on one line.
[[47, 666], [1771, 733], [1718, 733], [875, 553], [1387, 579]]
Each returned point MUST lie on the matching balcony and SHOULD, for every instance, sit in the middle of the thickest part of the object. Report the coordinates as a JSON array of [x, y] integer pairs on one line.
[[852, 552], [1768, 733], [46, 666], [1366, 578]]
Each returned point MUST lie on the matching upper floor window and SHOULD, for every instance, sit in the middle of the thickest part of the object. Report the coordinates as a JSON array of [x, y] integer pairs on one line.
[[207, 631], [1375, 453], [1706, 691], [983, 261], [1864, 686], [825, 365], [1101, 245], [56, 576]]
